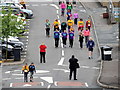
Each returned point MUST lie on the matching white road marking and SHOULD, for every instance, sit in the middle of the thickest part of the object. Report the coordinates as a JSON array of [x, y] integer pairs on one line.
[[83, 10], [19, 78], [48, 79], [42, 71], [61, 61], [44, 4], [63, 70], [57, 12], [42, 84], [17, 70], [27, 85], [95, 68], [85, 66], [58, 17], [35, 5], [27, 36], [27, 5], [49, 86], [61, 44], [54, 6], [7, 72], [6, 78], [11, 84], [63, 53], [55, 83], [86, 84], [17, 74]]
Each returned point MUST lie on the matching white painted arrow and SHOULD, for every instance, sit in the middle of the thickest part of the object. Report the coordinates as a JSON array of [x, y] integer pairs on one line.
[[7, 72], [48, 79], [27, 85]]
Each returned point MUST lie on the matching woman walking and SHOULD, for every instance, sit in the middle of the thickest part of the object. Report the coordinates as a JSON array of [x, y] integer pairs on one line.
[[81, 39]]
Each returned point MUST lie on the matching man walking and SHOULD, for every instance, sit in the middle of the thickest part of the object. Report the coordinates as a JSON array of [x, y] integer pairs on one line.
[[56, 37], [42, 52], [73, 65], [90, 46], [64, 38], [71, 37], [31, 70]]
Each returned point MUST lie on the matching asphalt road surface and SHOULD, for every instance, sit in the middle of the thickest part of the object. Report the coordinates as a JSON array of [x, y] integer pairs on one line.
[[54, 73]]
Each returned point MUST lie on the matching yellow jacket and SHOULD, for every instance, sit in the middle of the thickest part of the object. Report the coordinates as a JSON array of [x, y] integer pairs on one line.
[[25, 68]]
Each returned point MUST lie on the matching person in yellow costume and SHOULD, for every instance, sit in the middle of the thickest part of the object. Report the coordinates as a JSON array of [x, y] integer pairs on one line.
[[80, 25], [70, 23], [25, 71], [22, 2]]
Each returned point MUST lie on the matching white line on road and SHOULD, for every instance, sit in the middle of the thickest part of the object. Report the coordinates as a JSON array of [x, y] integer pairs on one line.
[[61, 44], [54, 6], [61, 61], [35, 5], [42, 84], [7, 72], [55, 83], [49, 86], [47, 79], [11, 84], [57, 12], [17, 74], [58, 17], [6, 78], [44, 4], [86, 84], [63, 53]]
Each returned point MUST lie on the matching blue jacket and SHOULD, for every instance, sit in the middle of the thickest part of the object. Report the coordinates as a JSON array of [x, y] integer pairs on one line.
[[90, 44], [56, 34]]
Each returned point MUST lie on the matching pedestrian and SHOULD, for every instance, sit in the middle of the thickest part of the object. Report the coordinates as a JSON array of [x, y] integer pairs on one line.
[[56, 24], [80, 25], [63, 6], [25, 71], [71, 37], [86, 34], [75, 18], [88, 24], [73, 65], [70, 23], [47, 28], [63, 26], [81, 39], [90, 46], [22, 2], [42, 52], [69, 15], [56, 37], [69, 6], [64, 38], [71, 29], [32, 70]]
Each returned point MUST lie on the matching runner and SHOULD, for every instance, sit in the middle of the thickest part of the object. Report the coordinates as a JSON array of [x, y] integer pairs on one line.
[[47, 28], [56, 25], [56, 37], [69, 6], [31, 70], [90, 46], [88, 24], [25, 71], [69, 15], [75, 17], [71, 37], [80, 25], [63, 6], [70, 23], [63, 26], [64, 38], [81, 39], [86, 34]]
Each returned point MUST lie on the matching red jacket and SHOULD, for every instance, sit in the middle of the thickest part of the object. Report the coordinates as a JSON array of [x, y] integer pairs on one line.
[[88, 23], [43, 48]]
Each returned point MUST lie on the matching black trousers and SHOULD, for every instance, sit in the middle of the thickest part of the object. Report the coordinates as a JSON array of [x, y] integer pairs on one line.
[[71, 42], [68, 18], [64, 41], [56, 42], [47, 31], [56, 28], [89, 28], [81, 44], [73, 71], [24, 6], [75, 21], [25, 76], [86, 39], [42, 57]]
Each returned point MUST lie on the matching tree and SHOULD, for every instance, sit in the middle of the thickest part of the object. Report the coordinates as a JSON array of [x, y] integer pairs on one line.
[[11, 25]]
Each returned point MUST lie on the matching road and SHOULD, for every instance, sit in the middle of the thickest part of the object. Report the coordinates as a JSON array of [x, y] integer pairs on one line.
[[54, 73]]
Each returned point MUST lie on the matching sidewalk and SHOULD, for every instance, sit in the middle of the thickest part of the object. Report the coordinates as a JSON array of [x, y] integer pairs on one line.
[[108, 77]]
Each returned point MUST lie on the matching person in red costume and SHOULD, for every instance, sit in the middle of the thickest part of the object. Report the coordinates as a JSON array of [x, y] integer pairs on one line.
[[42, 52]]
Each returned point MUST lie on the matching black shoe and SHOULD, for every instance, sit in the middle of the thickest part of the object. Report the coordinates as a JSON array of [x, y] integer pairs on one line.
[[75, 79], [31, 81], [89, 58]]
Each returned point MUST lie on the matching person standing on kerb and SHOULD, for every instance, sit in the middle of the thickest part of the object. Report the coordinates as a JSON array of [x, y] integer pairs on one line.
[[73, 65], [42, 52]]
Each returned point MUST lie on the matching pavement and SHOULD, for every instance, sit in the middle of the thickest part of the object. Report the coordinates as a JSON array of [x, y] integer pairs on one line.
[[107, 35]]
